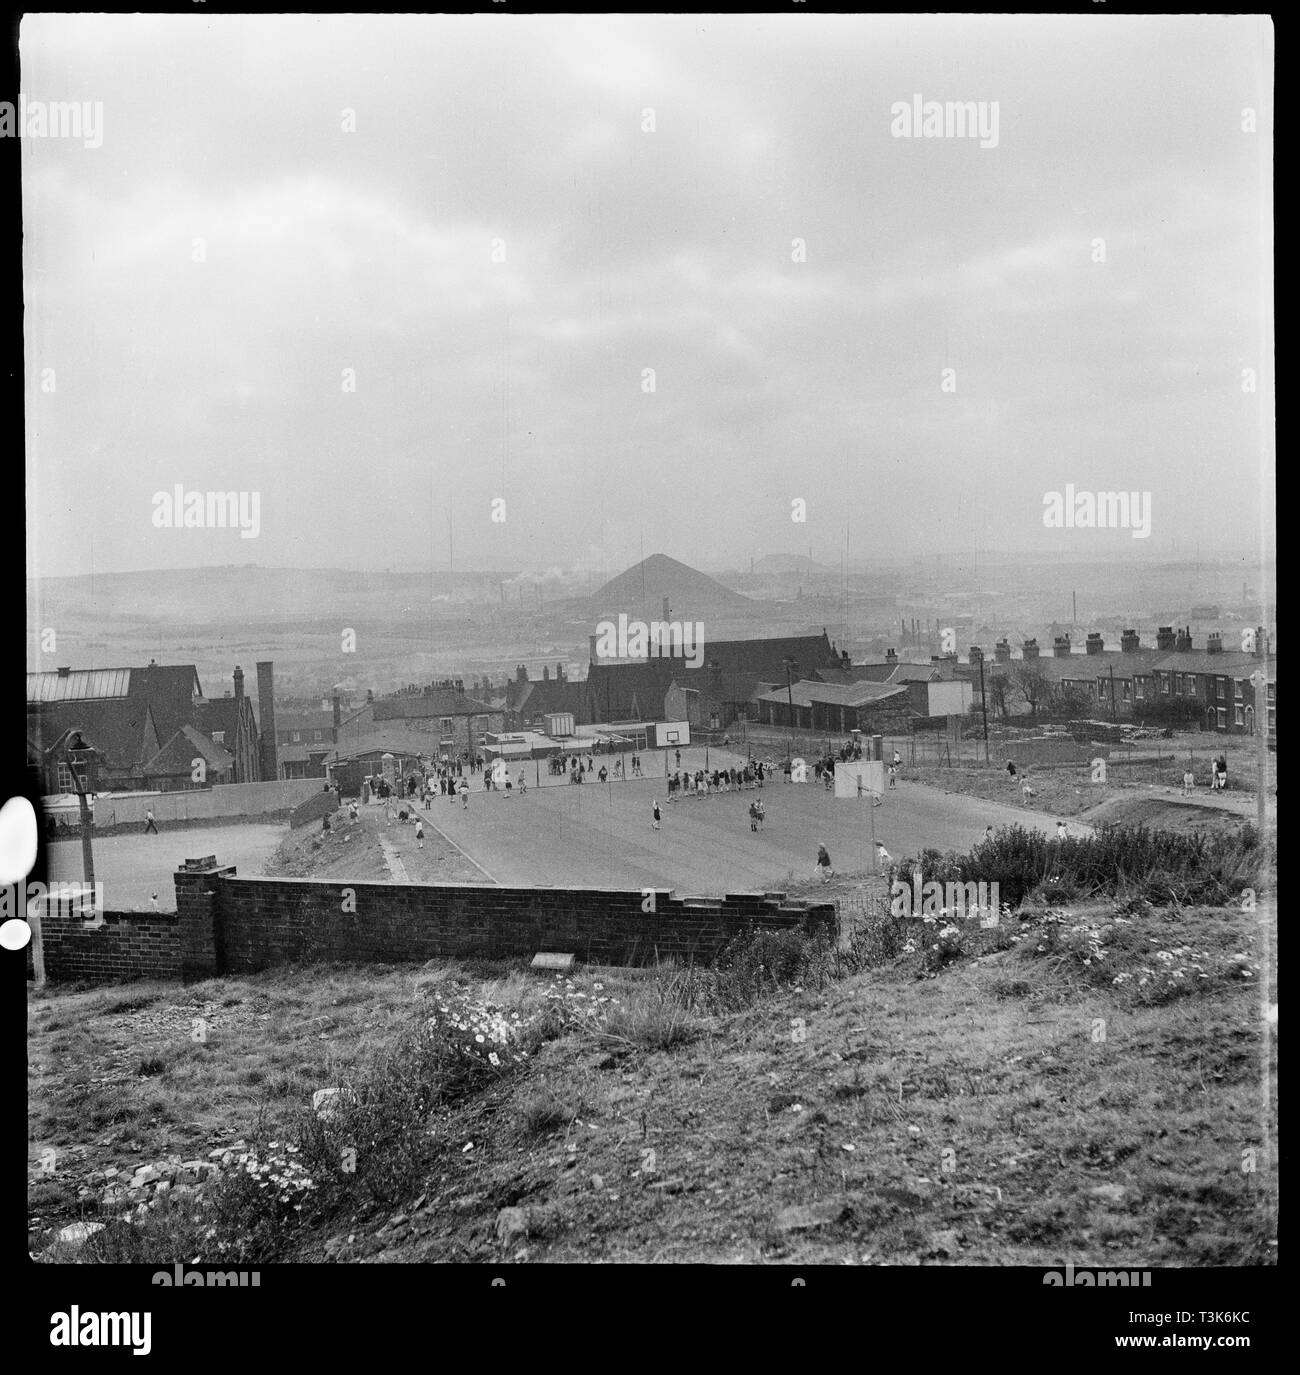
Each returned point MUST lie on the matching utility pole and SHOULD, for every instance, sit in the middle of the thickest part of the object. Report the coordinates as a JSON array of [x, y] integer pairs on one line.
[[984, 712], [1259, 680], [789, 693]]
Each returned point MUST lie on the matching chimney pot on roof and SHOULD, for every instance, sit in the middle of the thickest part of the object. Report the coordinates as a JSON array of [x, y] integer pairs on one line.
[[1214, 642], [1029, 649], [1183, 644], [1129, 642], [64, 672], [1094, 643], [1165, 638], [1061, 646]]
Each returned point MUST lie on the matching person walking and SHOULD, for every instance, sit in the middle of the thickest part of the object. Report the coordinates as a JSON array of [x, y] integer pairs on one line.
[[419, 835], [464, 795], [654, 824], [823, 870], [893, 775], [762, 812], [753, 817], [149, 823], [884, 860], [1189, 782], [523, 783]]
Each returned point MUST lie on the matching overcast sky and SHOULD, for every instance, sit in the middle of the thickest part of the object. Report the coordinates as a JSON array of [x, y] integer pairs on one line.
[[627, 250]]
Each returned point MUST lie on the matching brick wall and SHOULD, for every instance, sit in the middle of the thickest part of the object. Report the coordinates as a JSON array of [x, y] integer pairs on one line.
[[261, 922], [129, 945], [226, 924]]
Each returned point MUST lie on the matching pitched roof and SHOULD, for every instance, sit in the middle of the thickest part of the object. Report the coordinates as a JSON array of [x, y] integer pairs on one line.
[[1233, 664], [539, 696], [221, 714], [80, 685], [856, 673], [177, 756], [439, 702], [806, 692], [121, 728], [628, 690]]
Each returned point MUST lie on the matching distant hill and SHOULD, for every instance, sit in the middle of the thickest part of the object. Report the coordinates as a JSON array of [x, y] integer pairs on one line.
[[640, 591]]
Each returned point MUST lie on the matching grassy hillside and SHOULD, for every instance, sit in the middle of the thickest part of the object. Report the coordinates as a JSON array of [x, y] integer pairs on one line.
[[1077, 1082]]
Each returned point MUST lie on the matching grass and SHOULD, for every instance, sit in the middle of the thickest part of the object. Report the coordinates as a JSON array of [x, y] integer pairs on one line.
[[1024, 1094]]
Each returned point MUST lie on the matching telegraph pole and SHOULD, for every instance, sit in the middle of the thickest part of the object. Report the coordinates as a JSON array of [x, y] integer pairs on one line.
[[1259, 680], [984, 712]]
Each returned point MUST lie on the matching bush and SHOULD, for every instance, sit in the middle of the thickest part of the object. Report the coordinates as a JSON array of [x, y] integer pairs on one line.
[[1163, 867]]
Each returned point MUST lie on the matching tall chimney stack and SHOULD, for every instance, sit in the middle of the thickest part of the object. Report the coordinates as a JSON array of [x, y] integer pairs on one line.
[[338, 717], [238, 676], [266, 720]]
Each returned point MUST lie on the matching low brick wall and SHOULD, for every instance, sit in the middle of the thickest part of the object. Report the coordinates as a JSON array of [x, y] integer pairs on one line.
[[259, 922], [225, 924], [129, 945]]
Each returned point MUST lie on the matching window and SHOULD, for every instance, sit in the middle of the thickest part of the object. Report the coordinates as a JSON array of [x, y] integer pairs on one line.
[[1125, 689], [1238, 693], [67, 783], [1220, 689], [316, 735], [1139, 687], [1222, 717], [295, 736], [1240, 715], [219, 737], [448, 725]]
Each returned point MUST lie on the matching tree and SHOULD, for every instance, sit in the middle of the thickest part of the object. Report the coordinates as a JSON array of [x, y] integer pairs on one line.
[[1032, 684], [1072, 702]]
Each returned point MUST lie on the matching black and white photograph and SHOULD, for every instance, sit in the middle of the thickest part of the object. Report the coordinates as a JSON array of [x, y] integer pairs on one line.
[[651, 649]]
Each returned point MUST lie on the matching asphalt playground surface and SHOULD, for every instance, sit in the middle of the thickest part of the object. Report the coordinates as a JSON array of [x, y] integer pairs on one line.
[[133, 867], [601, 835]]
